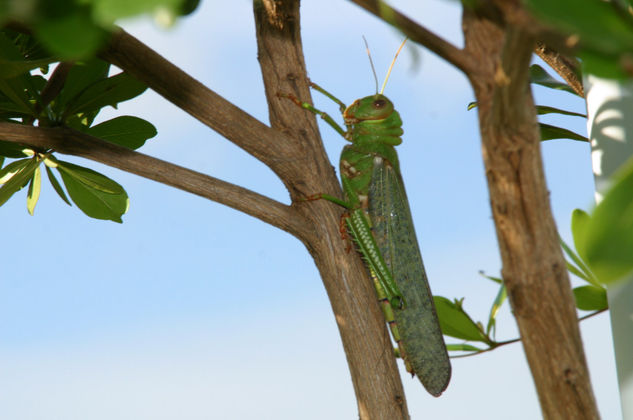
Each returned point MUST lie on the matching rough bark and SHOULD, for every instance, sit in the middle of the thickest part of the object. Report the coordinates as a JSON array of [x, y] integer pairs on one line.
[[534, 269], [566, 67], [361, 325]]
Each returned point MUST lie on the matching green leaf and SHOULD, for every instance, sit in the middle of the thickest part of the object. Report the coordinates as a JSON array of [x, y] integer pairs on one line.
[[455, 322], [18, 95], [81, 75], [599, 25], [12, 150], [542, 110], [28, 46], [604, 65], [13, 63], [18, 179], [550, 132], [106, 92], [72, 36], [35, 187], [90, 178], [496, 305], [15, 91], [609, 236], [34, 85], [495, 279], [582, 270], [462, 347], [591, 298], [540, 76], [56, 186], [94, 202], [11, 169], [602, 29], [576, 271], [579, 227], [81, 122], [188, 6], [127, 131], [107, 11], [11, 110]]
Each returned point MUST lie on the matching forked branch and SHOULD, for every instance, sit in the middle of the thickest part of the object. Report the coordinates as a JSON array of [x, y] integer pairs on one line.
[[268, 145]]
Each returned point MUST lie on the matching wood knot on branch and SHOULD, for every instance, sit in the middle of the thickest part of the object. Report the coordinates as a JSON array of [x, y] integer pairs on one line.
[[275, 15], [571, 376], [516, 294], [572, 40], [500, 77]]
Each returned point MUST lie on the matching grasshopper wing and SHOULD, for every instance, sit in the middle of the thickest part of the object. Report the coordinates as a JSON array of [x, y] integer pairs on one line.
[[422, 341]]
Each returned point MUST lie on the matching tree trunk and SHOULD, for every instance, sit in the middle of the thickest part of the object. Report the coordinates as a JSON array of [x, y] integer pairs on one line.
[[534, 268], [361, 324]]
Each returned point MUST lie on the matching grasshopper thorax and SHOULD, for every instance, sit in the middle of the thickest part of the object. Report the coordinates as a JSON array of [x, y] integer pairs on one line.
[[374, 107]]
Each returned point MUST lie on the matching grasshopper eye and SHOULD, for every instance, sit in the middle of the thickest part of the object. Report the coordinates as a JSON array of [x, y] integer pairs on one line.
[[379, 103]]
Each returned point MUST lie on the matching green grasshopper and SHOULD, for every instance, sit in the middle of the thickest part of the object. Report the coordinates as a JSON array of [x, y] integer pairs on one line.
[[380, 223]]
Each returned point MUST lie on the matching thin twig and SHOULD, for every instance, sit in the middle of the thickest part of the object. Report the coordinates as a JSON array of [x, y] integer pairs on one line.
[[417, 33], [582, 318], [52, 88], [54, 84], [516, 340], [566, 67], [496, 346]]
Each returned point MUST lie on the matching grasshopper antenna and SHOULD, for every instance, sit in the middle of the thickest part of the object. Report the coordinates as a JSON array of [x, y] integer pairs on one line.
[[371, 62], [390, 67]]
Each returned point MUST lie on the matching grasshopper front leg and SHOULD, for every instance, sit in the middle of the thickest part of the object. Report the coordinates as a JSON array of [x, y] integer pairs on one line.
[[342, 107], [324, 115]]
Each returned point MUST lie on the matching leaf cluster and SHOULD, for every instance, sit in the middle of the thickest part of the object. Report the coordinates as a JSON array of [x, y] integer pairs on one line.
[[71, 97], [56, 24], [456, 322]]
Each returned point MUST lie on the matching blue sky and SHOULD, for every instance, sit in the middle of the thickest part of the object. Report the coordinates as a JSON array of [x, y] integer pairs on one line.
[[192, 310]]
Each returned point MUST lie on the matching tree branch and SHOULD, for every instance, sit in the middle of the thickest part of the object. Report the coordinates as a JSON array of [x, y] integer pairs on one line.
[[417, 33], [514, 13], [566, 67], [71, 142], [552, 47], [518, 340], [272, 147], [534, 271], [361, 324], [54, 84]]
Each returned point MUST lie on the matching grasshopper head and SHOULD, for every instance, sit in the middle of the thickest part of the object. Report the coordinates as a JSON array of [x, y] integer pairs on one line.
[[374, 107]]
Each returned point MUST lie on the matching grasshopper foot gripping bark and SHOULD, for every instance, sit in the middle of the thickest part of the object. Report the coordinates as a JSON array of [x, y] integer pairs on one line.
[[381, 225]]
